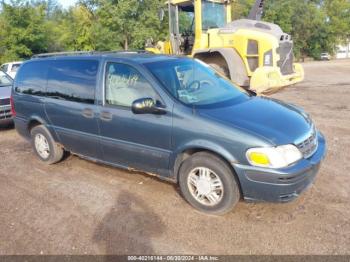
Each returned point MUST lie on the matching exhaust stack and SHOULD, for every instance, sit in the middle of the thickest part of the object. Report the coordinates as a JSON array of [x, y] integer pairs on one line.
[[257, 10]]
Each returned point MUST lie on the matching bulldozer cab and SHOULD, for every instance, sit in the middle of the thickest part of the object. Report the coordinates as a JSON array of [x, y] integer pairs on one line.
[[254, 54], [189, 20], [181, 25]]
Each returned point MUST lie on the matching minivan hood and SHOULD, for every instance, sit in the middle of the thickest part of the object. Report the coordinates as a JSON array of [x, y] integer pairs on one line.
[[271, 119], [5, 91]]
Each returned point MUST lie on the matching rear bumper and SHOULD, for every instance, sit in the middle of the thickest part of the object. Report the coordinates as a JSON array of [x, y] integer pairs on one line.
[[22, 127], [282, 185]]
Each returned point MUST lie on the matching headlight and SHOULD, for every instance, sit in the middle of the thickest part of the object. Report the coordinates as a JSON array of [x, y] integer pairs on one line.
[[274, 157]]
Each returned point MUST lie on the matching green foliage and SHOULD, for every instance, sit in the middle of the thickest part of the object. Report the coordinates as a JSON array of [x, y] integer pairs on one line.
[[23, 30], [305, 20], [241, 8], [76, 29], [316, 25], [338, 12], [186, 22], [132, 21], [43, 26], [29, 27]]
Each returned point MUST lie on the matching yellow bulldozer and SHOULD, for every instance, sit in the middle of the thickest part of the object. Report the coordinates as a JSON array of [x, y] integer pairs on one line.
[[254, 54]]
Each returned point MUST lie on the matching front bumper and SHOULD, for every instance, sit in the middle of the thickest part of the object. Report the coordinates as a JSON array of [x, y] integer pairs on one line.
[[280, 185], [5, 114], [268, 80]]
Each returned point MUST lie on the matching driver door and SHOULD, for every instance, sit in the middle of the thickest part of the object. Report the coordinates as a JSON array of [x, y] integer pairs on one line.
[[135, 141]]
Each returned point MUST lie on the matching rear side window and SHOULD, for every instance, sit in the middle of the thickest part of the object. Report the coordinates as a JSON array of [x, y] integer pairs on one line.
[[73, 80], [31, 79]]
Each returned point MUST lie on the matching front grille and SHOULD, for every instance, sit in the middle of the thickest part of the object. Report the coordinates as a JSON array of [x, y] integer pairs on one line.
[[286, 57], [309, 146], [5, 102]]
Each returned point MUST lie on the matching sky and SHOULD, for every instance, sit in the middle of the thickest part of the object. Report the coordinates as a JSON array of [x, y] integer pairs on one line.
[[64, 3], [67, 3]]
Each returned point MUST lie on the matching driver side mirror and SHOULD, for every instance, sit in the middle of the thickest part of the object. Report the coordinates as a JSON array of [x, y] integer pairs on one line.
[[147, 106]]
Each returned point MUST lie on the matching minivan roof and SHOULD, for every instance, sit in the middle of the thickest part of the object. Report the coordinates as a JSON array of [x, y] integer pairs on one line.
[[137, 57]]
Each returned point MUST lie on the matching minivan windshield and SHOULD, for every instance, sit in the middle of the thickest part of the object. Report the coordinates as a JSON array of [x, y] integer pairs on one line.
[[5, 80], [194, 83]]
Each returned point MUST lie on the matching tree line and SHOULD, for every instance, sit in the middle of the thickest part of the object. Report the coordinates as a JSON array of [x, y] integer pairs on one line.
[[37, 26], [316, 25]]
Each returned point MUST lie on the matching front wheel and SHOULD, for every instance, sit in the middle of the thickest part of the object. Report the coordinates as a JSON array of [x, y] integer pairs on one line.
[[208, 184]]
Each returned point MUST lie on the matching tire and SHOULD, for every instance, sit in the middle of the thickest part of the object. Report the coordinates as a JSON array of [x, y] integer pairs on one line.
[[51, 153], [221, 69], [227, 198]]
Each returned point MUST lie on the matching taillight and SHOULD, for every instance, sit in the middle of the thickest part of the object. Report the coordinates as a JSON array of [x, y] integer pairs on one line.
[[13, 111]]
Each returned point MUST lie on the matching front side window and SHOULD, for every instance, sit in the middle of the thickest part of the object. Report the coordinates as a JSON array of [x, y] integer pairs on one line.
[[124, 85], [193, 82], [213, 15], [73, 80], [32, 78]]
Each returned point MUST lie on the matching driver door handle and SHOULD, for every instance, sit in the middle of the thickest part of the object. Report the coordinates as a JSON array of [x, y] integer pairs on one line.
[[88, 113], [106, 116]]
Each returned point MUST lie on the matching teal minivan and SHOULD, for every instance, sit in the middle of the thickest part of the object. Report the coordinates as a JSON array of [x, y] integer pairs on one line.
[[173, 117]]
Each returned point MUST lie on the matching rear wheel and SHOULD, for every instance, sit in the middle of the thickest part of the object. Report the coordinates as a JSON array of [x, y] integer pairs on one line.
[[208, 184], [44, 145]]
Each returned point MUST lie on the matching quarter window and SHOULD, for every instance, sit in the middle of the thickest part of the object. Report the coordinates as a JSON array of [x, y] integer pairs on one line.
[[73, 80], [124, 84], [32, 78]]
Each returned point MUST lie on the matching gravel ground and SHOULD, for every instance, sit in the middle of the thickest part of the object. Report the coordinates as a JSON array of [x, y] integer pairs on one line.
[[79, 207]]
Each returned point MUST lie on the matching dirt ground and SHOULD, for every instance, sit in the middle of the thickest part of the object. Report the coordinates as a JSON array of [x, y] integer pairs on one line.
[[79, 207]]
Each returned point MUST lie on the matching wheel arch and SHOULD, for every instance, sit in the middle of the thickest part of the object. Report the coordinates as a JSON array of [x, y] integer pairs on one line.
[[36, 121], [33, 122], [187, 152], [234, 62]]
